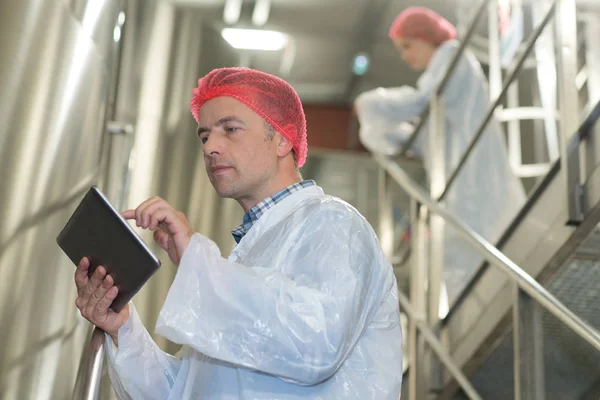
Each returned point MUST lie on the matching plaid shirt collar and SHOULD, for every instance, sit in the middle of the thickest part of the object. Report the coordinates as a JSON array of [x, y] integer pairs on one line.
[[258, 210]]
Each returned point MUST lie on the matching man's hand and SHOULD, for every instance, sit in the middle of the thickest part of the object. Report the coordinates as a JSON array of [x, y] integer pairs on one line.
[[172, 231], [95, 295]]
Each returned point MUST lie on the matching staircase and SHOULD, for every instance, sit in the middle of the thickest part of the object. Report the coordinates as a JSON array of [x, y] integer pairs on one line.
[[505, 336]]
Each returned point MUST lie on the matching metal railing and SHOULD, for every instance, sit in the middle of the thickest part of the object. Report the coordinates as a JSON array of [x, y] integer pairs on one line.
[[437, 347], [530, 298], [495, 256], [89, 376]]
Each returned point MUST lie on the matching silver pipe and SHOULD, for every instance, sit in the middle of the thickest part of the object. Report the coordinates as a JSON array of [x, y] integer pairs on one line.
[[495, 257], [93, 367], [453, 63], [439, 350], [490, 113]]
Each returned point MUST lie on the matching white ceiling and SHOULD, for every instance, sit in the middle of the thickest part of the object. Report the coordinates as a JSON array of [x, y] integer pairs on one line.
[[327, 34]]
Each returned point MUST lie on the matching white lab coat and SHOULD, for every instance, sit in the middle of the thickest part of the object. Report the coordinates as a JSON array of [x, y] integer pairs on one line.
[[486, 194], [305, 307]]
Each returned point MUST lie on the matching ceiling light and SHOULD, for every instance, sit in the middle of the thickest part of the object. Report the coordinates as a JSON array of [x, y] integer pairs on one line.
[[232, 11], [261, 12], [254, 39]]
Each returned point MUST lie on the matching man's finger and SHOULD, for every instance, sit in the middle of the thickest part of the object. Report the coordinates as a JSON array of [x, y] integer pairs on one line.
[[102, 306], [128, 214], [81, 273], [99, 294], [167, 219], [141, 209], [161, 237], [148, 214], [161, 215], [94, 282]]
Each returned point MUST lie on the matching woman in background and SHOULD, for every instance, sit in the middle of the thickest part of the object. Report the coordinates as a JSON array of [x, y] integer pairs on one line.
[[486, 194]]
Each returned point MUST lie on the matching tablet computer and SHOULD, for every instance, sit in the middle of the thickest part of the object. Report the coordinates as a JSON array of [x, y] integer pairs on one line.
[[97, 231]]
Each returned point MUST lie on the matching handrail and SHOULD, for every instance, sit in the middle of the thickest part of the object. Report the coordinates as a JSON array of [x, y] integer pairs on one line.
[[87, 386], [449, 70], [593, 115], [589, 122], [514, 71], [94, 366], [438, 348], [495, 257], [534, 195]]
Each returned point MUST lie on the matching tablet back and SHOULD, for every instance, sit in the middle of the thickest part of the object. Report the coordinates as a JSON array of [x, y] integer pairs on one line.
[[97, 231]]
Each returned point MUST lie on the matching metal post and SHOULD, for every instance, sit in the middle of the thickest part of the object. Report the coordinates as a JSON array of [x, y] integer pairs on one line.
[[592, 59], [495, 74], [546, 71], [418, 277], [386, 220], [592, 56], [528, 336], [566, 39], [428, 336], [87, 385], [515, 153], [437, 177]]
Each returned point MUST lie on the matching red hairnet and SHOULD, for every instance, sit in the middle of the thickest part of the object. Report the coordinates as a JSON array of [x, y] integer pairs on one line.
[[269, 96], [422, 23]]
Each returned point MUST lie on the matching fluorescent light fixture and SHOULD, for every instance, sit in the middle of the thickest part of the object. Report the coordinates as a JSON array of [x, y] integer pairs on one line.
[[261, 12], [232, 11], [117, 34], [254, 39]]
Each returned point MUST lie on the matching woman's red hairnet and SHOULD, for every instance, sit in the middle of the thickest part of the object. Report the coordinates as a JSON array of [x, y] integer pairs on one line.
[[424, 24], [269, 96]]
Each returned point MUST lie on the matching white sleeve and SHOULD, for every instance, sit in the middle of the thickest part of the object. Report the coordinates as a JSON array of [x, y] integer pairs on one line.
[[138, 368], [382, 111], [300, 330]]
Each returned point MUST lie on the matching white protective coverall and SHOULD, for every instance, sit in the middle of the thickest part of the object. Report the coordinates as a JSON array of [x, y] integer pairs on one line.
[[306, 307], [486, 194]]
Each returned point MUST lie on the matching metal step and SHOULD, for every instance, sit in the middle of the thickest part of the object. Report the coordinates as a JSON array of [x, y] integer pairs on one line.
[[566, 260], [571, 366]]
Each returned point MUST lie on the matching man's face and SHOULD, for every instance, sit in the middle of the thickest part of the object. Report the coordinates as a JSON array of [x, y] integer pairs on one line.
[[239, 156]]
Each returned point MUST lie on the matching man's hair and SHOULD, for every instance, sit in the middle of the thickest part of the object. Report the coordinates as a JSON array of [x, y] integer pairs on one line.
[[271, 97], [270, 134]]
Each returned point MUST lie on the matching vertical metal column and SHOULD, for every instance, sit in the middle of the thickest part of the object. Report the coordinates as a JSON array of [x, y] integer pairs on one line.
[[566, 39], [495, 74], [592, 60], [437, 151], [593, 56], [546, 71], [386, 220], [515, 153], [418, 299], [528, 337]]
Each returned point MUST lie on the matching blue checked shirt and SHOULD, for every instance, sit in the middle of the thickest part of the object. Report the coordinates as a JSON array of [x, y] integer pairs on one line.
[[258, 210]]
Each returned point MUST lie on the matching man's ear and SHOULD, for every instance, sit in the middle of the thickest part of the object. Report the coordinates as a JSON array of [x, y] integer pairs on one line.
[[284, 147]]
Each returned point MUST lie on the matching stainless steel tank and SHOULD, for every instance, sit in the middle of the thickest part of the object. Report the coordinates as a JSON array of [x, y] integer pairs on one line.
[[57, 74]]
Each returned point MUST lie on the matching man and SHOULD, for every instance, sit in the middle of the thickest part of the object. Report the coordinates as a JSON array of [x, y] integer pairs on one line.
[[306, 305]]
